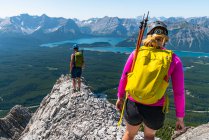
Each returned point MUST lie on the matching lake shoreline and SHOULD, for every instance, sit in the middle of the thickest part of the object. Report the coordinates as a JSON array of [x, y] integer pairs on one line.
[[108, 44]]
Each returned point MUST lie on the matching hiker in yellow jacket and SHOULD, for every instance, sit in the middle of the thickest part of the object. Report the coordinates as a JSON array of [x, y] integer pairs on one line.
[[145, 96]]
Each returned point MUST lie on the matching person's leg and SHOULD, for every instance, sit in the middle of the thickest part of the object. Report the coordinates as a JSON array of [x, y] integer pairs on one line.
[[133, 120], [73, 76], [79, 83], [153, 119], [130, 132], [74, 84], [149, 134], [78, 75]]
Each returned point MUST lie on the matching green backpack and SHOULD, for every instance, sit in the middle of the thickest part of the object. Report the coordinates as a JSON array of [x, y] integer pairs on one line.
[[78, 59]]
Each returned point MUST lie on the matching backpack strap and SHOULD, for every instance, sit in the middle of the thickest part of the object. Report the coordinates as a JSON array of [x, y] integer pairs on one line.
[[73, 59], [122, 112], [166, 104]]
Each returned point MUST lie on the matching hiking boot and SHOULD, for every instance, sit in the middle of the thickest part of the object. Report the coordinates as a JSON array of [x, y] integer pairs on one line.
[[78, 89], [73, 90]]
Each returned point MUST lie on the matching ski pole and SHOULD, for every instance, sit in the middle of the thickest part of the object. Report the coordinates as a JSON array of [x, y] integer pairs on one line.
[[142, 27]]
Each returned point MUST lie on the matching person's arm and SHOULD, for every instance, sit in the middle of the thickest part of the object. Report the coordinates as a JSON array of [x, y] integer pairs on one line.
[[123, 81], [71, 62], [179, 93]]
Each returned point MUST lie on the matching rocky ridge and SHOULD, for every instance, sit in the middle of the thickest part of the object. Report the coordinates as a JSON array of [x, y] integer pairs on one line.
[[14, 123], [64, 115]]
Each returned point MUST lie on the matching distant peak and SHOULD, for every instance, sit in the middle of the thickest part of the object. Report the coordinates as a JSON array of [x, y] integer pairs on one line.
[[24, 15], [44, 15]]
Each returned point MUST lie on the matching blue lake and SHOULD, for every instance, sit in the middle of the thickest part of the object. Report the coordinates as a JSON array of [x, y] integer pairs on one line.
[[113, 41]]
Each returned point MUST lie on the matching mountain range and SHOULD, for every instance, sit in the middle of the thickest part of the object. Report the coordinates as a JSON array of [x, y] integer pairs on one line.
[[190, 34]]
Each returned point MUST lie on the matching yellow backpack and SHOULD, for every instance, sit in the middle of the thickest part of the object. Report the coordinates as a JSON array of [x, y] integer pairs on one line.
[[147, 84], [148, 81], [78, 59]]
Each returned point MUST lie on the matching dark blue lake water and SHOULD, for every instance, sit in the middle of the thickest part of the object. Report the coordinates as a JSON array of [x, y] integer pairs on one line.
[[113, 41]]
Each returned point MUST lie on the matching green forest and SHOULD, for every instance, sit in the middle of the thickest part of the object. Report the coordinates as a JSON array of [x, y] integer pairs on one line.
[[28, 74]]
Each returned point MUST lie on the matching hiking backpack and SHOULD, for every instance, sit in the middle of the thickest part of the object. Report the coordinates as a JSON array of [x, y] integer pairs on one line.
[[78, 59], [148, 81]]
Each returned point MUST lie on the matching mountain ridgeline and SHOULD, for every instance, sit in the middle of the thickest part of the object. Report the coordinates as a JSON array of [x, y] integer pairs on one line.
[[189, 34]]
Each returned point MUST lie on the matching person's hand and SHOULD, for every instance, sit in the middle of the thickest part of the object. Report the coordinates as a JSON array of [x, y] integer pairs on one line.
[[180, 124], [119, 104]]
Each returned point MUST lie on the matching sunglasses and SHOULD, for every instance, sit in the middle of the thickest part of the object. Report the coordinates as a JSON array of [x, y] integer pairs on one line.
[[159, 31]]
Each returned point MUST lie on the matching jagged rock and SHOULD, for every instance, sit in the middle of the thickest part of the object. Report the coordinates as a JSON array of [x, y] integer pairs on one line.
[[14, 123], [64, 115], [198, 133]]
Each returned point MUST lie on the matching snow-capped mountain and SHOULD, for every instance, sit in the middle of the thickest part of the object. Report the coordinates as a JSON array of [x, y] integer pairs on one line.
[[185, 33], [191, 34], [109, 26], [38, 26]]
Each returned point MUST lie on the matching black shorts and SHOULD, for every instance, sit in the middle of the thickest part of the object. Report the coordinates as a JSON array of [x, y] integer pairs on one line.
[[76, 72], [152, 116]]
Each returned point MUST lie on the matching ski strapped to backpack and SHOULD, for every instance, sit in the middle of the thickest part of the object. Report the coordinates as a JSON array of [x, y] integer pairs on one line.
[[142, 28]]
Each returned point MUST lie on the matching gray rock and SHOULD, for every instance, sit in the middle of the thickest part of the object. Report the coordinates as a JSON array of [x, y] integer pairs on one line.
[[14, 123], [64, 115], [199, 133]]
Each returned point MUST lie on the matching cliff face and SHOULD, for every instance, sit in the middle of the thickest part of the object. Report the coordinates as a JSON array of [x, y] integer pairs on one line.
[[64, 115], [14, 123]]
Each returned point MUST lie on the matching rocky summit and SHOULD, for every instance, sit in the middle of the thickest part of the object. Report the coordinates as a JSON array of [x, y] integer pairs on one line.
[[64, 115]]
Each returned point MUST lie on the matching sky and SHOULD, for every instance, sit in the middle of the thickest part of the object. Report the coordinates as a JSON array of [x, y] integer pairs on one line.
[[85, 9]]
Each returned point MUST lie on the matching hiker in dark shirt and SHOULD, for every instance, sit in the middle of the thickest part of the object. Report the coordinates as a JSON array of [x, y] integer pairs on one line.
[[76, 65]]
